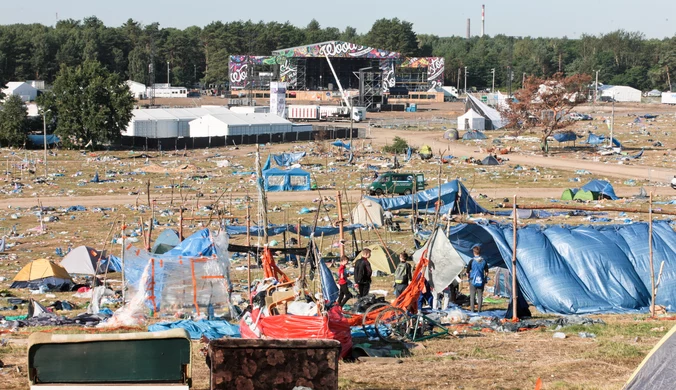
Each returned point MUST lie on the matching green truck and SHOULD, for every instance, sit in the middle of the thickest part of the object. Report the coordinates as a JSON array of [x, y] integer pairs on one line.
[[397, 183]]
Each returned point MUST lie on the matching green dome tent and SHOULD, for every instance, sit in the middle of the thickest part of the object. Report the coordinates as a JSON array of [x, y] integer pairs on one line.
[[569, 194], [585, 195]]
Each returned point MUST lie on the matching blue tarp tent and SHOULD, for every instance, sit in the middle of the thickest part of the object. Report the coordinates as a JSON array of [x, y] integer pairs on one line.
[[329, 287], [198, 244], [475, 134], [305, 231], [290, 180], [287, 159], [341, 144], [581, 269], [566, 136], [166, 241], [39, 140], [425, 201], [601, 187]]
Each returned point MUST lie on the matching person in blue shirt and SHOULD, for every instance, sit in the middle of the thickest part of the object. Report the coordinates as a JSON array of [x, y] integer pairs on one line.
[[477, 274]]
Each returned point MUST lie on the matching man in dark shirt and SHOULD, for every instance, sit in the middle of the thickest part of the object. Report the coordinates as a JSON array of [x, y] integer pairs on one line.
[[362, 273]]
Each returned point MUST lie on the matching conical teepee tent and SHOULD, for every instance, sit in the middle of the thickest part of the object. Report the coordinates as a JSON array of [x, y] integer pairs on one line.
[[368, 213]]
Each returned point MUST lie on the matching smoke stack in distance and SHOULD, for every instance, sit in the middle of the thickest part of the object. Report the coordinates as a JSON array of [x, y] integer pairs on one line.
[[483, 19], [468, 30]]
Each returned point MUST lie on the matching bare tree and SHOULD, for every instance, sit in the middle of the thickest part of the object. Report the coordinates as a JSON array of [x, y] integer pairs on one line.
[[546, 104]]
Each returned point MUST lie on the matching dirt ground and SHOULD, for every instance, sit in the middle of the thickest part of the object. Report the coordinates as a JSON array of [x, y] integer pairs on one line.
[[471, 359]]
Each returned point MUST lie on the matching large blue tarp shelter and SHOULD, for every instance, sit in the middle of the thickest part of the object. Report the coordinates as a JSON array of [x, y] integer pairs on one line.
[[452, 195], [39, 140], [580, 269], [594, 139], [286, 180], [565, 136], [601, 187]]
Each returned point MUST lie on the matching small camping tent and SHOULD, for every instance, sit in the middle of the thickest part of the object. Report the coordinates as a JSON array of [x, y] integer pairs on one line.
[[471, 120], [490, 160], [657, 370], [569, 194], [368, 213], [286, 180], [451, 135], [425, 152], [380, 261], [84, 260], [584, 195], [601, 189], [471, 135], [41, 272], [166, 241]]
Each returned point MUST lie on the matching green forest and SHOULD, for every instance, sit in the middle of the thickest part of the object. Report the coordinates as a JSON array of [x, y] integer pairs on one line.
[[200, 54]]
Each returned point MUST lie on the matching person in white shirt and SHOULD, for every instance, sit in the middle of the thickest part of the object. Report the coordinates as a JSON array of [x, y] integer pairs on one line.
[[673, 182]]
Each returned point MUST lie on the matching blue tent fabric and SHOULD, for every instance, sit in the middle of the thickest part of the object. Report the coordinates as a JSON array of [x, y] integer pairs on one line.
[[287, 159], [341, 144], [594, 139], [39, 140], [268, 164], [286, 180], [474, 134], [168, 238], [566, 136], [425, 201], [409, 152], [305, 231], [114, 264], [197, 329], [582, 269], [329, 287], [602, 187], [198, 244]]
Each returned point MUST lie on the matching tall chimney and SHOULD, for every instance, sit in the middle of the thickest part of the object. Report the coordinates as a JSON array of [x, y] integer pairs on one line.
[[468, 31], [483, 19]]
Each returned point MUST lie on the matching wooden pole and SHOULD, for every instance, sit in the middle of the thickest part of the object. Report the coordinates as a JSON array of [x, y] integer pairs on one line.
[[248, 253], [124, 281], [650, 254], [514, 289], [387, 252], [180, 224], [340, 225], [588, 208]]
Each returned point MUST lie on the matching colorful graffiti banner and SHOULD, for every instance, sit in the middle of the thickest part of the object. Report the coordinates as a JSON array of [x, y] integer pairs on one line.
[[336, 49], [435, 69], [238, 68]]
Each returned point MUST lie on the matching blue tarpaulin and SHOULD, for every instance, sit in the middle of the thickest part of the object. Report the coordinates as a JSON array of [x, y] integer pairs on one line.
[[287, 159], [425, 201], [582, 269], [198, 244], [601, 187], [566, 136], [474, 134], [197, 329], [305, 231], [329, 287], [594, 139], [39, 140], [286, 180], [341, 144]]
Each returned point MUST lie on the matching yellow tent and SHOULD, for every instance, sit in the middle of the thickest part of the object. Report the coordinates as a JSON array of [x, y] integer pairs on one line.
[[380, 261], [41, 272]]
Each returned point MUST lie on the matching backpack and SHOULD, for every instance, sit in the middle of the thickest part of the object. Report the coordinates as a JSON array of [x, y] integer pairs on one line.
[[476, 272], [401, 273]]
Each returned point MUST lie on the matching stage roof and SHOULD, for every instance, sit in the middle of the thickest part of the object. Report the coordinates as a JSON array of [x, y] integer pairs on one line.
[[336, 49]]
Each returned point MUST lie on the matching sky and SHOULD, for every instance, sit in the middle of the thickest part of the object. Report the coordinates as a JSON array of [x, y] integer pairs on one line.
[[535, 18]]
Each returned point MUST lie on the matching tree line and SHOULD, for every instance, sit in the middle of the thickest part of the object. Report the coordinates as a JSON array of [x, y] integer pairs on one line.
[[200, 54]]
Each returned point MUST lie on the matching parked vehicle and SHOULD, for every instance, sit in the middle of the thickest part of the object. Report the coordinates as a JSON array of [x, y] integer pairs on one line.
[[397, 183]]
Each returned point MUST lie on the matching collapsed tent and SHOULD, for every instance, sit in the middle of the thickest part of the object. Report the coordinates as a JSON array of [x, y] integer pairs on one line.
[[341, 144], [594, 139], [445, 262], [368, 213], [569, 193], [286, 180], [84, 260], [473, 135], [287, 159], [494, 120], [380, 261], [656, 371], [565, 136], [166, 241], [582, 269], [42, 273], [453, 197], [490, 160], [601, 188]]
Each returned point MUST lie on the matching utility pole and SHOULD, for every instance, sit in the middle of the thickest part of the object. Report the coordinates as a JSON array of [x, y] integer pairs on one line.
[[523, 80], [493, 86], [465, 80], [168, 75], [509, 80], [44, 140], [612, 122], [458, 88], [596, 88]]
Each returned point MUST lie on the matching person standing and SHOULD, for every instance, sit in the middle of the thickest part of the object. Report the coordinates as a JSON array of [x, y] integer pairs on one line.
[[477, 273], [402, 275], [344, 294], [362, 273]]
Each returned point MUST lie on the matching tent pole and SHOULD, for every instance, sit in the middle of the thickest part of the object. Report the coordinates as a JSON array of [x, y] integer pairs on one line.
[[340, 225], [514, 290], [387, 252], [248, 253], [650, 254], [180, 224], [124, 281]]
